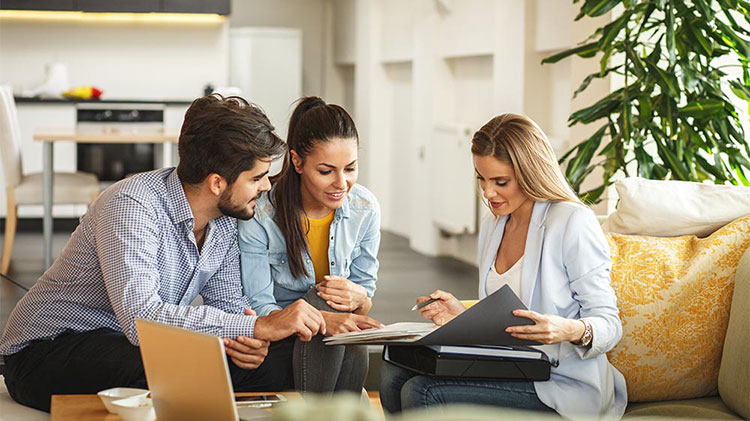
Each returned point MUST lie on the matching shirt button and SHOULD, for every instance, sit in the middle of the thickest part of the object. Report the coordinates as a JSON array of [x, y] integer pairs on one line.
[[283, 261], [331, 238], [308, 261], [333, 263]]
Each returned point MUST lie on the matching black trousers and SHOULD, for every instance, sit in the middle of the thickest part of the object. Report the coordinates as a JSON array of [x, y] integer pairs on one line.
[[87, 362]]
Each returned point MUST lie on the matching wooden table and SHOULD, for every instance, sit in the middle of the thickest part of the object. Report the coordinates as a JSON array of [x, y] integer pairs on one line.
[[91, 408], [51, 135]]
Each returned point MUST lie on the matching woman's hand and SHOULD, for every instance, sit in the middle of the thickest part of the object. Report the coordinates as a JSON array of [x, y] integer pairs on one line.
[[442, 311], [342, 294], [347, 322], [547, 328]]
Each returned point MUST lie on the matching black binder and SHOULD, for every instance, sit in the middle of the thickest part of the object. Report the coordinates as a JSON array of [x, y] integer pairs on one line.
[[425, 360]]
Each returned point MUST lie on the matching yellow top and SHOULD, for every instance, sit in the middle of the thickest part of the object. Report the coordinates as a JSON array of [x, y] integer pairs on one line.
[[317, 239]]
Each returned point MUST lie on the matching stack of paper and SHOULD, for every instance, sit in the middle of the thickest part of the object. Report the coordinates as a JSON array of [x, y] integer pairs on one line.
[[403, 332], [487, 351]]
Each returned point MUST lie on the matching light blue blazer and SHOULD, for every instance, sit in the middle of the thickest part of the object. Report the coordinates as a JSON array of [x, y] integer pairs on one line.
[[565, 271]]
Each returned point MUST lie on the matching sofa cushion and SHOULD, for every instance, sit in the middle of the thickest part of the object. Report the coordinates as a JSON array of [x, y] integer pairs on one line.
[[734, 375], [674, 296], [695, 409], [671, 208]]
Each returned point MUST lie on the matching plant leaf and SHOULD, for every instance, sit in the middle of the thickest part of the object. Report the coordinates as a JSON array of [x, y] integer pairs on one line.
[[587, 50], [742, 91], [667, 81], [703, 108], [578, 165], [595, 8]]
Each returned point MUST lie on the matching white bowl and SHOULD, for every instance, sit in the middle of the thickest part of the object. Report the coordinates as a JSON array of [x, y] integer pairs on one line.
[[117, 393], [136, 408]]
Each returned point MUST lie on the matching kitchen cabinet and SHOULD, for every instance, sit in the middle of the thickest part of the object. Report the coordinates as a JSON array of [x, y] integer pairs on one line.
[[38, 4], [221, 7], [131, 6], [276, 86]]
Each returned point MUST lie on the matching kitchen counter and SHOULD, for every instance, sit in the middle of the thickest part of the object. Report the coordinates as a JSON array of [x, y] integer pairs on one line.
[[35, 100]]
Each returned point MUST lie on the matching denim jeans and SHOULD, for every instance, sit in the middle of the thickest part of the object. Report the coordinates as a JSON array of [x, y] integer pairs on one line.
[[402, 389], [321, 368], [87, 362]]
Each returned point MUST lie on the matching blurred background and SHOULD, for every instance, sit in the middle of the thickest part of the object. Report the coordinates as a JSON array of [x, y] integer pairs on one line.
[[419, 77]]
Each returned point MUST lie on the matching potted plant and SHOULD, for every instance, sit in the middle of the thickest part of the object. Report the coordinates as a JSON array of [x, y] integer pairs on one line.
[[673, 56]]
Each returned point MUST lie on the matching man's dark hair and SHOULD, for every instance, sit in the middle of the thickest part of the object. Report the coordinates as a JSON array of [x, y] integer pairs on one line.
[[224, 136]]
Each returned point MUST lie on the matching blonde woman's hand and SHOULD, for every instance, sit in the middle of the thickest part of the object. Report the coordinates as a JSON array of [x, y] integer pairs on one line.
[[342, 294], [547, 328], [442, 311]]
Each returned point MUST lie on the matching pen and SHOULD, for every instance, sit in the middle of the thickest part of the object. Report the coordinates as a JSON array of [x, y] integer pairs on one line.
[[428, 302]]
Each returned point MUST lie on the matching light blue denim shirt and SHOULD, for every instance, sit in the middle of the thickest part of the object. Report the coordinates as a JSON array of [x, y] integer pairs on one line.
[[352, 252]]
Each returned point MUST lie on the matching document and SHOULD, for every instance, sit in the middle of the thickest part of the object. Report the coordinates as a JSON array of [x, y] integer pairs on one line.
[[403, 332], [482, 324]]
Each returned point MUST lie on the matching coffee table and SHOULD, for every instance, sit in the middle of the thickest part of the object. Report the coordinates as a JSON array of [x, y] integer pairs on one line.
[[91, 408]]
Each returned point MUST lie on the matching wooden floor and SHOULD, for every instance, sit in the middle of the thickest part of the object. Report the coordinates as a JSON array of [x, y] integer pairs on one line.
[[375, 401]]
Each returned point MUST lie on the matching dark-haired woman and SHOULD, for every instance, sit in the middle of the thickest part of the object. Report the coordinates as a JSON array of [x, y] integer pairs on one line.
[[316, 237]]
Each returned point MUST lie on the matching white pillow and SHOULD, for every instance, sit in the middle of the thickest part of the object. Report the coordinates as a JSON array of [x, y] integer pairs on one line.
[[672, 208]]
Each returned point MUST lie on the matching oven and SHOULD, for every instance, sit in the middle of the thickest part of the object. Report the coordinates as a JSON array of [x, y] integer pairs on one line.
[[115, 161]]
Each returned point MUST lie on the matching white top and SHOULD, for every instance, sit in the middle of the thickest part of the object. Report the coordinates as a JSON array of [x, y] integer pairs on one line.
[[511, 277]]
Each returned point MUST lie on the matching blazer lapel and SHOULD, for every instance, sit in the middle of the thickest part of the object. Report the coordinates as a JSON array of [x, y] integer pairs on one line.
[[532, 254], [489, 253]]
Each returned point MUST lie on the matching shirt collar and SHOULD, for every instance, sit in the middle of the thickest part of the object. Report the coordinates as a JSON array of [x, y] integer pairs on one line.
[[177, 203], [343, 211]]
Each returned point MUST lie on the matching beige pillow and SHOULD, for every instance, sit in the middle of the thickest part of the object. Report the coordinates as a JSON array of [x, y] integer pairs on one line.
[[672, 208], [674, 296]]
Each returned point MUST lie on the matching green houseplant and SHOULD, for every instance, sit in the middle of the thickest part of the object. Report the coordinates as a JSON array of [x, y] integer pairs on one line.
[[673, 56]]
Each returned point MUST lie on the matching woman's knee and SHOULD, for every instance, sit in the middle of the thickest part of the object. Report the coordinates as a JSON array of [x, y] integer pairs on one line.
[[420, 392]]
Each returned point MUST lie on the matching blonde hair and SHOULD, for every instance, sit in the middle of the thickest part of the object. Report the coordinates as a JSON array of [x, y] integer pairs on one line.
[[516, 140]]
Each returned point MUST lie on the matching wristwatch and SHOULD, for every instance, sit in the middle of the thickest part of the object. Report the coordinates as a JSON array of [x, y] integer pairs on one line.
[[588, 334]]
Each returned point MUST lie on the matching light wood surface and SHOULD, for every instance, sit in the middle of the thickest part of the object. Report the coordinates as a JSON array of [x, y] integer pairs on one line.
[[91, 408], [88, 135]]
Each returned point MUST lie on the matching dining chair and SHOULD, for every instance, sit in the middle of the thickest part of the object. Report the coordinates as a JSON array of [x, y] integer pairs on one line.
[[26, 189]]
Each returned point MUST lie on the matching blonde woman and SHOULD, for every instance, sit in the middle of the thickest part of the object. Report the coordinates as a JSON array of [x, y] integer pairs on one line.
[[548, 247]]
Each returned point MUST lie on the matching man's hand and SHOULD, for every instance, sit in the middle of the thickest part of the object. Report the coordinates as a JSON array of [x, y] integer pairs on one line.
[[347, 322], [342, 294], [299, 318], [247, 353]]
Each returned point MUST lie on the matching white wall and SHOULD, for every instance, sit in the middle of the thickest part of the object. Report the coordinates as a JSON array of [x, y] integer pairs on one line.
[[125, 60], [457, 63]]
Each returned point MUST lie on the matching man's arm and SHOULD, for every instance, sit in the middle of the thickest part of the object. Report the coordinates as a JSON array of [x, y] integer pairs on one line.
[[127, 241]]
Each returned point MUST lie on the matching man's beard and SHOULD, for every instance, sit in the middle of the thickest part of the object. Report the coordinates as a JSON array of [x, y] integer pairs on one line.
[[240, 212]]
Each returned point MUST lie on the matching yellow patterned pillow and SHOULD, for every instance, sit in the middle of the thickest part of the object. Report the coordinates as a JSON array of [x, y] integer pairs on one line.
[[674, 296]]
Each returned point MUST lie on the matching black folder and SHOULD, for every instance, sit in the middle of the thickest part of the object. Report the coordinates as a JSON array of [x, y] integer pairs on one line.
[[424, 360], [482, 324]]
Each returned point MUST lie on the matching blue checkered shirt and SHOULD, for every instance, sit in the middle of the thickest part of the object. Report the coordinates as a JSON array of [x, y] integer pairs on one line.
[[134, 255]]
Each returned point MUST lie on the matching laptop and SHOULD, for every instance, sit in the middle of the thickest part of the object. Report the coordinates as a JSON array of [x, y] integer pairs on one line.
[[187, 374]]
